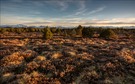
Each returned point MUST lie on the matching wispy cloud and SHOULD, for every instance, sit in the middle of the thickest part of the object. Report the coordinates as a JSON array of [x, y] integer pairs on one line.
[[34, 12], [78, 21], [111, 22], [17, 1], [95, 11], [63, 5], [13, 19], [82, 8], [80, 12], [83, 11], [81, 5]]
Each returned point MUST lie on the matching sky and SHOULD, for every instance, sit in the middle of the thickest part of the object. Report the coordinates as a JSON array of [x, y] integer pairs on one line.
[[68, 12]]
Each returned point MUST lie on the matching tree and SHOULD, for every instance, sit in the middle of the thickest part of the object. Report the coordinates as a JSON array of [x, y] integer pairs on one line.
[[65, 33], [58, 31], [73, 33], [47, 34], [79, 30], [53, 30]]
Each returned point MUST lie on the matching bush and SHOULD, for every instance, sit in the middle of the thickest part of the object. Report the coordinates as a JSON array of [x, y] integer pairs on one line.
[[47, 33], [58, 31], [79, 30], [72, 33], [65, 33], [53, 30], [87, 32], [108, 34], [2, 30]]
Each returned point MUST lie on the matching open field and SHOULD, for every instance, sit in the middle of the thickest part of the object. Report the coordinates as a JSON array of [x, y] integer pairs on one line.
[[67, 41], [66, 60]]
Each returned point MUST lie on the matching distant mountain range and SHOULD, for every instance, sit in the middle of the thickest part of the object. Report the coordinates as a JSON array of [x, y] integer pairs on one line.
[[25, 26], [20, 26], [14, 26]]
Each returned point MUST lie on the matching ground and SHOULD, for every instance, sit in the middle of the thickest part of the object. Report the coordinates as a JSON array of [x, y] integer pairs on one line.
[[67, 61]]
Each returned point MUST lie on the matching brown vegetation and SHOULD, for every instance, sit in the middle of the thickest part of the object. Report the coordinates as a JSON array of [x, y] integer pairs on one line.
[[67, 60]]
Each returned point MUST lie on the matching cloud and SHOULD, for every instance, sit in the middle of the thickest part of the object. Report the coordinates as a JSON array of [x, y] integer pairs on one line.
[[94, 22], [38, 3], [80, 12], [16, 1], [124, 20], [62, 4], [34, 12], [37, 21], [13, 19], [82, 5], [111, 22], [95, 11], [77, 21], [83, 11], [82, 8]]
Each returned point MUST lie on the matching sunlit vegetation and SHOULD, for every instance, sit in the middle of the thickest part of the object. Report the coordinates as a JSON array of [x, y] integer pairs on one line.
[[79, 31], [47, 34], [80, 55]]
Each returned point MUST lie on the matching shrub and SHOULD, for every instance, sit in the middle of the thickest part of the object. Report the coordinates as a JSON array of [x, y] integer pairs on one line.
[[72, 33], [128, 35], [2, 30], [79, 30], [65, 33], [87, 32], [47, 33], [53, 30], [108, 34], [58, 31]]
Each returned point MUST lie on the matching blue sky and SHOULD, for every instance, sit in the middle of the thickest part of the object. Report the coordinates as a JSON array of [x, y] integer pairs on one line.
[[68, 12]]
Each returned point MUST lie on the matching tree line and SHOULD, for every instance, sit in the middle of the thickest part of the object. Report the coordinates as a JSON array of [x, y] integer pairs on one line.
[[79, 31]]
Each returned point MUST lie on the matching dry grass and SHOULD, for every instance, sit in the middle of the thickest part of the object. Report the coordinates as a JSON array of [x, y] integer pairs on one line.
[[67, 61]]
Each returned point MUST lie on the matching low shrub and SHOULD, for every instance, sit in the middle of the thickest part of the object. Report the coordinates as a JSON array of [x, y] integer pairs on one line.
[[108, 34], [87, 32]]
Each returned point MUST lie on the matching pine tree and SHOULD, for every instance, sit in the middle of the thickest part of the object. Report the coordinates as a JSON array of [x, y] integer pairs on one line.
[[79, 30], [47, 34]]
